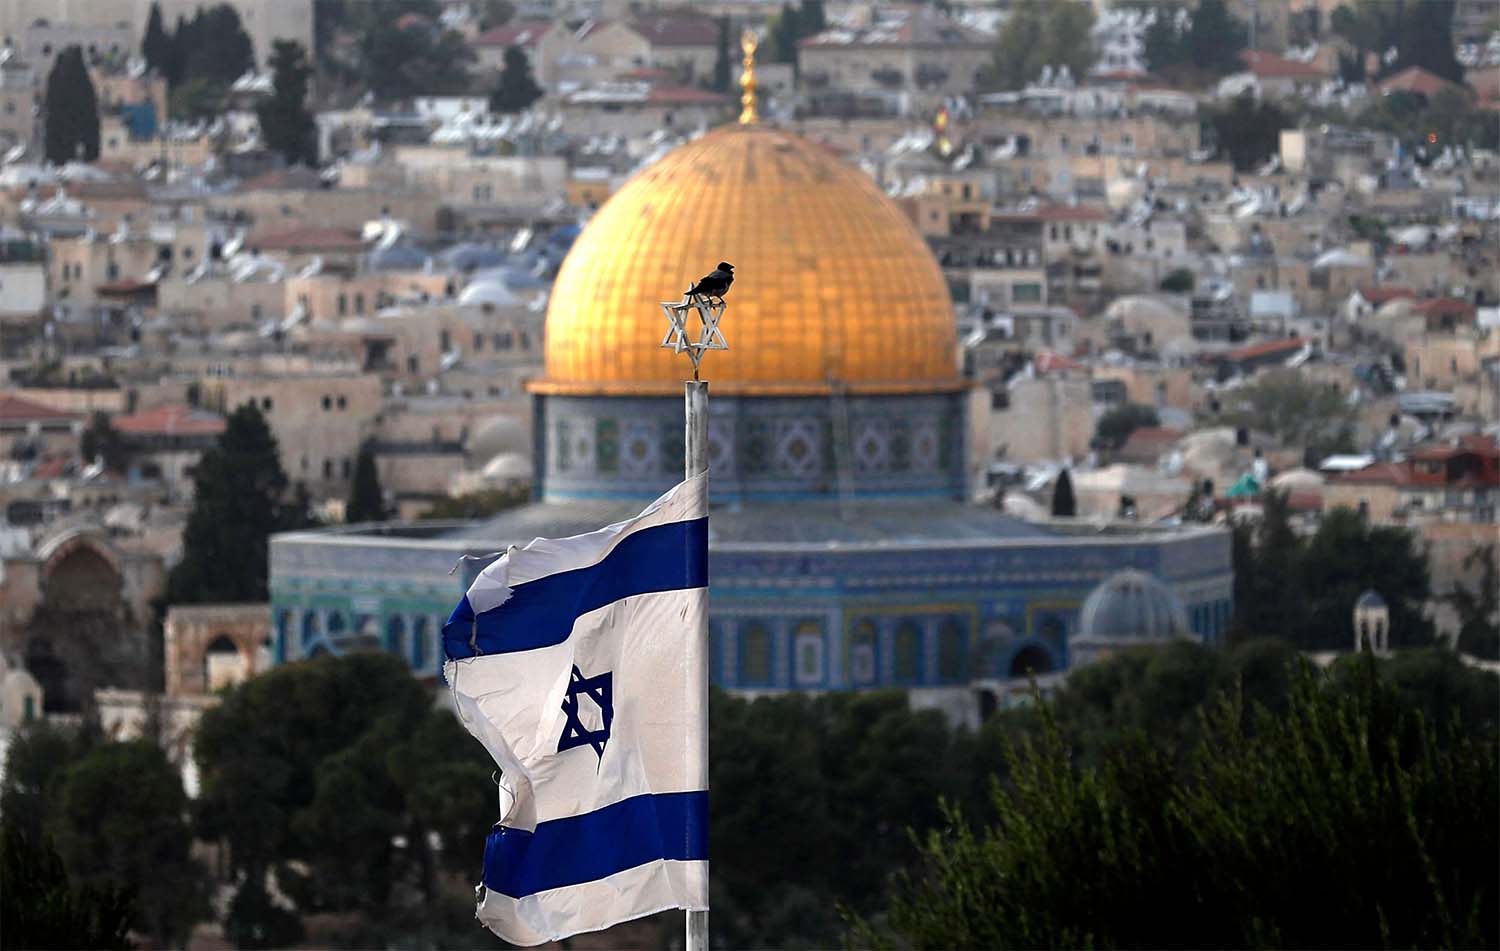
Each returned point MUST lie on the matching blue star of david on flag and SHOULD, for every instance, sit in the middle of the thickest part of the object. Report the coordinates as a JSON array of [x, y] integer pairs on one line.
[[599, 689]]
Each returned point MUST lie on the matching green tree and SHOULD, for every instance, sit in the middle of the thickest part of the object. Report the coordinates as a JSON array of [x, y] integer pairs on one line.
[[517, 89], [366, 498], [1304, 589], [1178, 281], [1064, 505], [122, 817], [790, 27], [102, 441], [1479, 610], [321, 765], [1426, 39], [72, 124], [1115, 426], [40, 908], [213, 46], [197, 99], [1297, 411], [238, 490], [1098, 854], [399, 57], [722, 59], [286, 123], [1041, 34], [156, 44], [35, 761], [1215, 38], [1248, 131]]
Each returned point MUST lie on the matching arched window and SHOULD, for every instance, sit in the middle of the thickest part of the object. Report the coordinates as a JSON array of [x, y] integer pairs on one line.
[[222, 664], [864, 652], [908, 652], [1052, 628], [335, 624], [311, 628], [419, 645], [807, 650], [281, 634], [755, 654], [951, 651], [395, 636]]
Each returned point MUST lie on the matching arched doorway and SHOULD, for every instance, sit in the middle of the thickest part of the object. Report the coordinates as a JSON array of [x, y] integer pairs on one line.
[[223, 664], [82, 636]]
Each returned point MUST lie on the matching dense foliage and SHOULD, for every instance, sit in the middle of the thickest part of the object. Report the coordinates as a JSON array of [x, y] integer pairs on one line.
[[71, 131], [1064, 502], [790, 27], [342, 770], [1115, 426], [517, 89], [119, 817], [1342, 817], [286, 124], [1304, 588], [401, 50], [1478, 607], [239, 491], [1247, 131], [1203, 42], [1296, 410], [1420, 32], [1035, 35], [102, 442], [40, 908], [478, 504], [366, 497]]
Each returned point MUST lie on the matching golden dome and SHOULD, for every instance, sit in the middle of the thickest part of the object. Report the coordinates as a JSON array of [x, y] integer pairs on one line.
[[832, 282]]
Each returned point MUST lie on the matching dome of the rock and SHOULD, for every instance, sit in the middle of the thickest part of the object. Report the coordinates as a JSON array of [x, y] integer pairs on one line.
[[834, 287]]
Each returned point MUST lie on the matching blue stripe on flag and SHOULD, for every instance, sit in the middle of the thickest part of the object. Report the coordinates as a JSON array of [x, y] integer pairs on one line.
[[541, 613], [597, 844]]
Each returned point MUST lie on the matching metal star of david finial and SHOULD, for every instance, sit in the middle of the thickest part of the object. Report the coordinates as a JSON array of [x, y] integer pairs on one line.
[[710, 312]]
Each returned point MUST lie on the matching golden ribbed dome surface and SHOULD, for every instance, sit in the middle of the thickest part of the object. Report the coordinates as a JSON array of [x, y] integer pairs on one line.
[[832, 283]]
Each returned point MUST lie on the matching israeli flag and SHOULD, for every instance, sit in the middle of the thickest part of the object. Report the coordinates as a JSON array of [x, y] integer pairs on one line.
[[581, 665]]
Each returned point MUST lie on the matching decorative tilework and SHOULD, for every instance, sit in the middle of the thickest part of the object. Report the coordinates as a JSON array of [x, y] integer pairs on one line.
[[872, 446], [797, 448], [640, 456]]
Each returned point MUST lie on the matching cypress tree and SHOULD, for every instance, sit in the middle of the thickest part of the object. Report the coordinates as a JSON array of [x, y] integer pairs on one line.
[[721, 63], [517, 89], [237, 504], [156, 46], [72, 129], [366, 498], [1064, 505], [286, 125]]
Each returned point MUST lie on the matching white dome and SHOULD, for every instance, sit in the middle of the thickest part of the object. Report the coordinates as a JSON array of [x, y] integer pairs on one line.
[[507, 466], [496, 435], [491, 292], [1132, 607]]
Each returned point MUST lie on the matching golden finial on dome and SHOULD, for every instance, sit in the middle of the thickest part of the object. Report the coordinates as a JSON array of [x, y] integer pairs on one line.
[[748, 42]]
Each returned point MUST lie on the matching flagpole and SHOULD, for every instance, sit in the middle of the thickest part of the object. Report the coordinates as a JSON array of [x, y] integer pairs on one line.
[[695, 459]]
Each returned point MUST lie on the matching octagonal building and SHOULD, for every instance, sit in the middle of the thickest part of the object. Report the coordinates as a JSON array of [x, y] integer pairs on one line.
[[842, 551]]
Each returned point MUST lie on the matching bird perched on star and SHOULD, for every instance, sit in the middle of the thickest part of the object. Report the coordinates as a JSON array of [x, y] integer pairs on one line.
[[714, 284]]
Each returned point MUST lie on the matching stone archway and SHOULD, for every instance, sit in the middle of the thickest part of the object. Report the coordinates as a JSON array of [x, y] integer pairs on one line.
[[82, 634], [212, 646]]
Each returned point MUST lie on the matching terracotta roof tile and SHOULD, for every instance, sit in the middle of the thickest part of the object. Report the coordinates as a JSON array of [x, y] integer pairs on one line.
[[15, 408], [170, 421]]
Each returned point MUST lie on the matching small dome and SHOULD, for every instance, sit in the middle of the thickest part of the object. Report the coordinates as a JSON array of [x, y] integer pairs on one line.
[[497, 435], [1370, 600], [492, 292], [469, 257], [1133, 606]]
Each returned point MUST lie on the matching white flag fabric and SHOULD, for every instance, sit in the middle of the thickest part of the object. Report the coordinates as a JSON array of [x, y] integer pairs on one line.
[[581, 665]]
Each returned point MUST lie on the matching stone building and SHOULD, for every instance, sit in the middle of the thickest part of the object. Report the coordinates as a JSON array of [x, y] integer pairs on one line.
[[207, 647]]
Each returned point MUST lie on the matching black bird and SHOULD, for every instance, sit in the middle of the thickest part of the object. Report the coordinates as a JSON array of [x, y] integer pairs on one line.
[[716, 282]]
